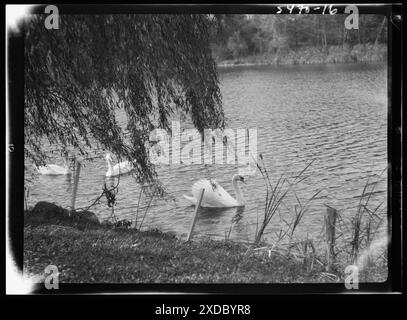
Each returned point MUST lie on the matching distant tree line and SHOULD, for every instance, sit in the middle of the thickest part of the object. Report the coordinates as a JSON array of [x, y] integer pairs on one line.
[[235, 36]]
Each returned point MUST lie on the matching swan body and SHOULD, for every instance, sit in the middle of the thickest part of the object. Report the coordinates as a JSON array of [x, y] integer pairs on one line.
[[117, 169], [215, 196], [54, 169]]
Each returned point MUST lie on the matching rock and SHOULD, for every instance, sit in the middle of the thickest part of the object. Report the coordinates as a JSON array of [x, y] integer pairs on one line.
[[85, 216], [49, 213], [107, 224]]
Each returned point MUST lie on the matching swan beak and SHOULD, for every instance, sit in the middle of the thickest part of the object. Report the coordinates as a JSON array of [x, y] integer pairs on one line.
[[242, 180]]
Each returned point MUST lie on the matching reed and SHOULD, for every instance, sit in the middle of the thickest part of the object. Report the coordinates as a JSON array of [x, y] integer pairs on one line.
[[275, 195], [357, 233], [297, 215], [229, 231], [366, 222], [236, 218], [150, 196]]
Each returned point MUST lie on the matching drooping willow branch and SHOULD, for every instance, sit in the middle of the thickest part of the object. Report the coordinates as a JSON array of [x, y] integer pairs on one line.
[[109, 80]]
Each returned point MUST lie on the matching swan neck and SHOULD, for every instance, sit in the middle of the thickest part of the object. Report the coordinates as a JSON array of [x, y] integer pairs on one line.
[[239, 195], [66, 162], [109, 164]]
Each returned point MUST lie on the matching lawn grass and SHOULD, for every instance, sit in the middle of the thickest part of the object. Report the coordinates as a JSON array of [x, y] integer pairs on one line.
[[106, 255], [86, 251]]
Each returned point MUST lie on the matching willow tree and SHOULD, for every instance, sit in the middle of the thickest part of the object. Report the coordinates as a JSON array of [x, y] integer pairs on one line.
[[150, 66]]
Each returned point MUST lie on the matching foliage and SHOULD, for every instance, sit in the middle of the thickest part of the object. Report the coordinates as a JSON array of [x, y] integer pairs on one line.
[[147, 67], [238, 36]]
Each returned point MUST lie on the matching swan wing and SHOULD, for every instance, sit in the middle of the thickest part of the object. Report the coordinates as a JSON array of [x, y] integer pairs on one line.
[[215, 196], [43, 170], [122, 168], [190, 199]]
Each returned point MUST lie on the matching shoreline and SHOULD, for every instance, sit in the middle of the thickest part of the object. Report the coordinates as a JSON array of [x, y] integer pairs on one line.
[[87, 251], [367, 53], [262, 64]]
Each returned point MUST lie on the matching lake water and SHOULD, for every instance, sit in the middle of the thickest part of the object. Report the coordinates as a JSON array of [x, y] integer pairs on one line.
[[333, 115]]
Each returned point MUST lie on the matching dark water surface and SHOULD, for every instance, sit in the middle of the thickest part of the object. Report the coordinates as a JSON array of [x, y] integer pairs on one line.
[[333, 115]]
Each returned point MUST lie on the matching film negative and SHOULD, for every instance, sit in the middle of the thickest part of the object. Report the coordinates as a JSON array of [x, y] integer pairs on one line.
[[233, 149]]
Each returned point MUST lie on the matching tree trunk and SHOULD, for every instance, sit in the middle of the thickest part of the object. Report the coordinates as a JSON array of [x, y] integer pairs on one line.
[[323, 36], [345, 34], [379, 32]]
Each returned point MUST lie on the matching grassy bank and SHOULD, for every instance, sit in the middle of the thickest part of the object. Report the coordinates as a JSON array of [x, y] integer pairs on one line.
[[86, 251], [102, 254], [127, 256], [313, 55]]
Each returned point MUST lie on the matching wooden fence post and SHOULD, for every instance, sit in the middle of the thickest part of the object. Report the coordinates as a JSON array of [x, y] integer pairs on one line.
[[309, 254], [330, 221], [198, 204], [75, 184]]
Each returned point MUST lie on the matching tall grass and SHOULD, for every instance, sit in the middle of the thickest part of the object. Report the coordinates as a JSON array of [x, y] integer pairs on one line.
[[358, 234], [150, 194], [275, 195], [366, 222]]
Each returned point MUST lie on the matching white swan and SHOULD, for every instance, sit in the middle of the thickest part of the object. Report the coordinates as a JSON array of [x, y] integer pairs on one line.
[[215, 196], [54, 169], [119, 168]]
